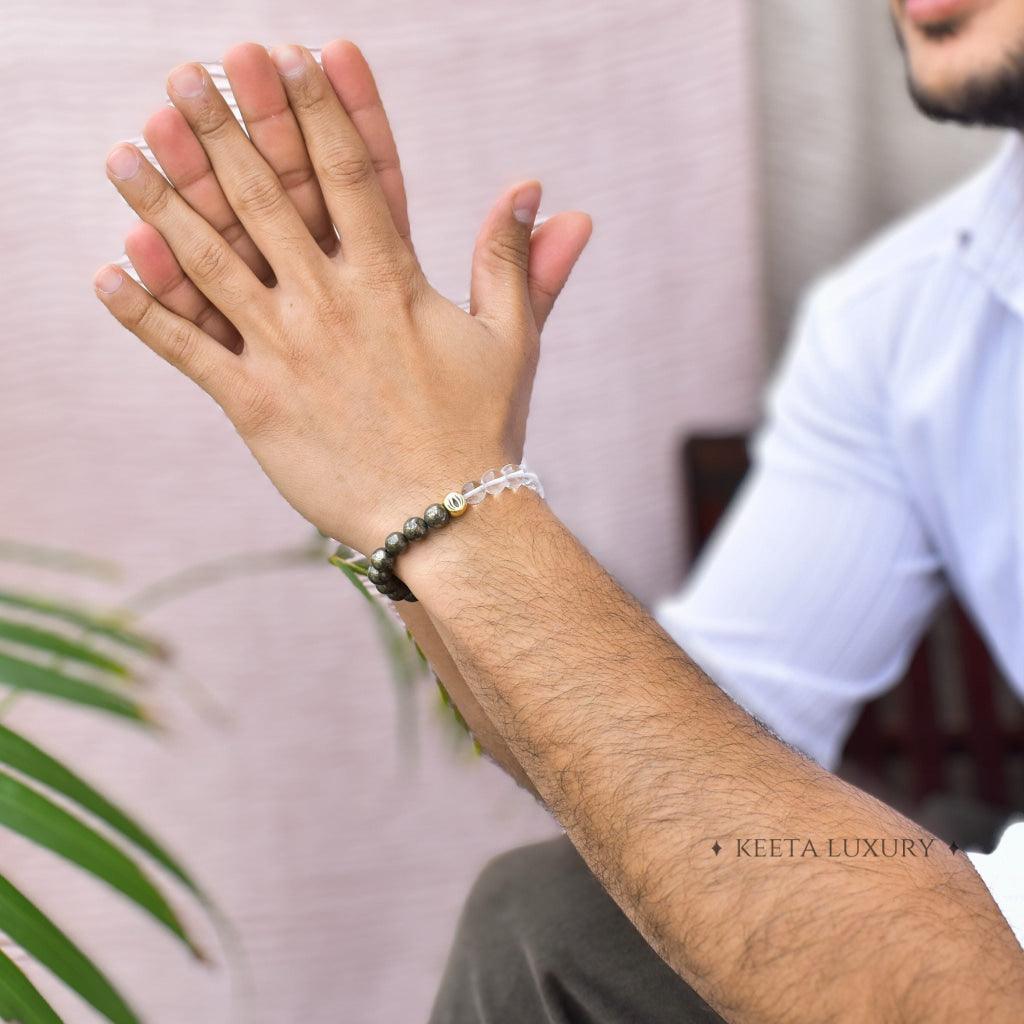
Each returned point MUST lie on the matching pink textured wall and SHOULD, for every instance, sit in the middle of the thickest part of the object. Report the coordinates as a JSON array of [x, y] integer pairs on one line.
[[342, 862]]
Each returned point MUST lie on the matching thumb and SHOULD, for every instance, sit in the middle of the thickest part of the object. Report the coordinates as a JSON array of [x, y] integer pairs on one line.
[[499, 289], [554, 249]]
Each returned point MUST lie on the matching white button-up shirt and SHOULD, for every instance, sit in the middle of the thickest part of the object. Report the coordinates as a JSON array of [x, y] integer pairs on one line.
[[890, 469]]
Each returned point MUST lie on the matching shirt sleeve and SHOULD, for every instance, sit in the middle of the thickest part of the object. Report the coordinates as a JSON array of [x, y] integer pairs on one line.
[[1002, 871], [814, 591]]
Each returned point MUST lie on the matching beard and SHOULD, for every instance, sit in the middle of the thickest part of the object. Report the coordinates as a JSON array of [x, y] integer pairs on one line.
[[994, 100]]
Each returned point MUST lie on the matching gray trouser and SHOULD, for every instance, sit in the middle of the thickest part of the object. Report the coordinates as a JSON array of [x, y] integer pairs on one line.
[[540, 941]]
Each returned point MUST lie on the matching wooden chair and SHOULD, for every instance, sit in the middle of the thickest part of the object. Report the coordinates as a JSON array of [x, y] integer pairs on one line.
[[951, 726]]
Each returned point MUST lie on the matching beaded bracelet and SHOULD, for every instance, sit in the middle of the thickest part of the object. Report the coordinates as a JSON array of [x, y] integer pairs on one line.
[[381, 570]]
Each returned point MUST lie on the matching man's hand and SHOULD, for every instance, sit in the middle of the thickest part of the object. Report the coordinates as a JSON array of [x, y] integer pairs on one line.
[[362, 391]]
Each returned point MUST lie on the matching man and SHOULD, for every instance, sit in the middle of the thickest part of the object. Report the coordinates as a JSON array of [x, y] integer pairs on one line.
[[365, 396]]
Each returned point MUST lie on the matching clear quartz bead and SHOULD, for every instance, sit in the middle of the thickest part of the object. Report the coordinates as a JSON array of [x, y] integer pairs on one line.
[[477, 498], [512, 485], [489, 480]]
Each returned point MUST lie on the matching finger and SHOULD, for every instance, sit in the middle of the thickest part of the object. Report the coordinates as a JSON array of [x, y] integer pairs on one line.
[[216, 370], [275, 133], [554, 249], [499, 289], [341, 160], [350, 75], [217, 270], [251, 187], [155, 264], [188, 169]]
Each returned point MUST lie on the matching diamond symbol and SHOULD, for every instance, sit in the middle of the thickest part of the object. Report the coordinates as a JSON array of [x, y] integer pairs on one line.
[[953, 847], [716, 848]]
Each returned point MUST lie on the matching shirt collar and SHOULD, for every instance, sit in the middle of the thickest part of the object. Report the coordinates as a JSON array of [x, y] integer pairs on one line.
[[990, 233]]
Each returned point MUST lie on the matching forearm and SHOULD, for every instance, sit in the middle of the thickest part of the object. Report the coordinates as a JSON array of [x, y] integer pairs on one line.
[[646, 763], [425, 632]]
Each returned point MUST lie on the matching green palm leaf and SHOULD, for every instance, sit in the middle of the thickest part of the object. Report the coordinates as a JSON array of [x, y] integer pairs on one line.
[[20, 1000], [28, 812], [31, 929], [111, 626], [60, 646], [40, 654], [25, 757], [26, 675]]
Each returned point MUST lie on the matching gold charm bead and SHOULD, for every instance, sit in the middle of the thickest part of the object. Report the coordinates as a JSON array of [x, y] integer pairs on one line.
[[455, 503]]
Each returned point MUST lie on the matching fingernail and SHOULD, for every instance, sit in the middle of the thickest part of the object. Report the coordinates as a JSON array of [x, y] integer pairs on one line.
[[108, 280], [187, 81], [289, 60], [525, 203], [123, 162]]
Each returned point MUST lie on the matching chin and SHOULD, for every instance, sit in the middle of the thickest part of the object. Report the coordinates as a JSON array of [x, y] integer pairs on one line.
[[942, 68], [956, 50]]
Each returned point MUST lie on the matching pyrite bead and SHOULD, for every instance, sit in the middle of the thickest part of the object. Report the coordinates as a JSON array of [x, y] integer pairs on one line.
[[375, 575], [395, 543], [381, 560], [399, 592], [414, 528], [436, 516]]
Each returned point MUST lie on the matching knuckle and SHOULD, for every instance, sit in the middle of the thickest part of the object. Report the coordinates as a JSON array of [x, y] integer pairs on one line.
[[138, 317], [505, 251], [295, 177], [154, 197], [386, 164], [258, 195], [215, 122], [205, 315], [254, 409], [207, 260], [330, 311], [180, 346], [309, 94], [234, 232], [549, 294], [389, 267], [346, 170], [167, 285]]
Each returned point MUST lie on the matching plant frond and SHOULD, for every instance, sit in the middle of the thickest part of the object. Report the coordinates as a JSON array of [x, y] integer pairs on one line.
[[26, 675], [20, 1000], [31, 814], [31, 929]]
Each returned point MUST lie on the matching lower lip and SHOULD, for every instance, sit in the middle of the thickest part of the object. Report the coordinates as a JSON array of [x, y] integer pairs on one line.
[[924, 12]]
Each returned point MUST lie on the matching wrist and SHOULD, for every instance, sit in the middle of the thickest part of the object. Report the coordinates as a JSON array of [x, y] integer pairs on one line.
[[452, 563], [405, 544], [408, 494]]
